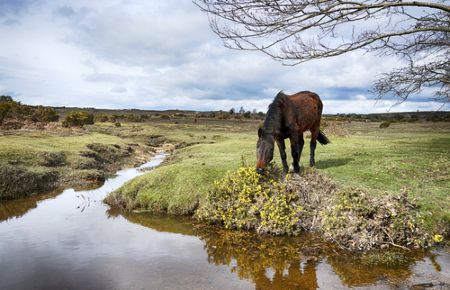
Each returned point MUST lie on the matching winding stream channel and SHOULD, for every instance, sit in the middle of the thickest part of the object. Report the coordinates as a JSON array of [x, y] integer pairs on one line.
[[72, 240]]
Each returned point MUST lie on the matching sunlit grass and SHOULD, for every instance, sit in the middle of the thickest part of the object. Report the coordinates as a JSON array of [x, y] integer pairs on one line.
[[405, 157]]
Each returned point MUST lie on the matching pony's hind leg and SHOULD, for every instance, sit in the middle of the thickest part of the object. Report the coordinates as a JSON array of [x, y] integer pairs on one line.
[[312, 146]]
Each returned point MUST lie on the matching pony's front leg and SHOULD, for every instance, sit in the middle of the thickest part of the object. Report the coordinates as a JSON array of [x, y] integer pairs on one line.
[[297, 143], [282, 148]]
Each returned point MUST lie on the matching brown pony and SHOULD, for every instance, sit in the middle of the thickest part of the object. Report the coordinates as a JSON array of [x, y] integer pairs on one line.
[[289, 117]]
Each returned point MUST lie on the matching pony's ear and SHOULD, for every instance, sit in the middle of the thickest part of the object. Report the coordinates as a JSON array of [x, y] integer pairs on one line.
[[260, 132]]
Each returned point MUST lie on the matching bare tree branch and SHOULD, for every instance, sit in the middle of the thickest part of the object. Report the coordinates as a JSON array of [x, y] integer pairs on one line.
[[296, 31]]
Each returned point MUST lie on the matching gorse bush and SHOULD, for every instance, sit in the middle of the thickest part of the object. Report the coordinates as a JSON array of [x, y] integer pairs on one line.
[[78, 119], [350, 217], [45, 114], [10, 109], [246, 200]]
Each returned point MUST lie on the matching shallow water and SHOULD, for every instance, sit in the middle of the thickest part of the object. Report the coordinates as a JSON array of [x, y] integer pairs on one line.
[[71, 240]]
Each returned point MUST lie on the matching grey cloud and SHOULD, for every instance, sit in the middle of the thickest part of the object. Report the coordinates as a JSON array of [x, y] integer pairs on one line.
[[14, 6], [119, 90], [65, 11], [105, 77], [168, 35], [11, 22]]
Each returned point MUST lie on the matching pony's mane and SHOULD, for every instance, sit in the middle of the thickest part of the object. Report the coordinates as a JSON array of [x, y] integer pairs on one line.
[[272, 123]]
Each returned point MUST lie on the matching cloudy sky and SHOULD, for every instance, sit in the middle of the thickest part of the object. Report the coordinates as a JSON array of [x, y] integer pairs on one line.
[[154, 54]]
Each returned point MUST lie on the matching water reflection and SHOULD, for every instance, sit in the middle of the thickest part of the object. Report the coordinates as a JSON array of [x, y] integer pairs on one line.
[[269, 262], [304, 262], [19, 207]]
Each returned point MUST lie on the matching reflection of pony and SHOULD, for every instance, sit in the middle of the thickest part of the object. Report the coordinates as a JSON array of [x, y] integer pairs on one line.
[[289, 117]]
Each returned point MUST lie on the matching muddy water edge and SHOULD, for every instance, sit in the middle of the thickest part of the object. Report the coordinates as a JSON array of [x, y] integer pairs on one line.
[[71, 240]]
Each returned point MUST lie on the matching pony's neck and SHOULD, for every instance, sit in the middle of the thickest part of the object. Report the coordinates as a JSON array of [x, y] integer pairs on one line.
[[272, 123]]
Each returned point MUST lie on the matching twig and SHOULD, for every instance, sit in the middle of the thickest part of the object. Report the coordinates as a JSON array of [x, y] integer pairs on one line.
[[394, 244]]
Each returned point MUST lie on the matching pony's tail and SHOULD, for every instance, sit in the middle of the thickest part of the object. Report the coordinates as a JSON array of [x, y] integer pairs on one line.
[[323, 139]]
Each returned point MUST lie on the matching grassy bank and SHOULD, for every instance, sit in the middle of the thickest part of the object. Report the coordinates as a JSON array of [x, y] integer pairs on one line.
[[39, 158], [36, 161], [405, 156]]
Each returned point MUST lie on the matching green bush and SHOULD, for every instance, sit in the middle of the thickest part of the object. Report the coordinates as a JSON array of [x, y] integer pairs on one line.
[[52, 159], [10, 109], [247, 200], [102, 118], [385, 124], [45, 114], [78, 119]]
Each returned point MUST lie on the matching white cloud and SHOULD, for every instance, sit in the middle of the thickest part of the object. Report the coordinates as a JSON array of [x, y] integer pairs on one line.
[[161, 54]]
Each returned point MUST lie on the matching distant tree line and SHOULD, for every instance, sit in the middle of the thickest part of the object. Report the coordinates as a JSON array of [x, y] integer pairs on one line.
[[440, 116], [13, 110]]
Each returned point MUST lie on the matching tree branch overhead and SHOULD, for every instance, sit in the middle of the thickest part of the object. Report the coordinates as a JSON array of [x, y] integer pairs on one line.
[[296, 31]]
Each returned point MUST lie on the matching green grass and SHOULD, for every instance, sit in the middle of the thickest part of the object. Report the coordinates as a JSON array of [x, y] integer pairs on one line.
[[24, 155], [178, 186], [24, 149], [411, 157]]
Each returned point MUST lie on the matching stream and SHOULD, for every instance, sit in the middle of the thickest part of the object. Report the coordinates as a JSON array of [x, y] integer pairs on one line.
[[72, 240]]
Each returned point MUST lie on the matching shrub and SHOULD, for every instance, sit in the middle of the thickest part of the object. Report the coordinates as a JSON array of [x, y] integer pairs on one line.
[[102, 118], [385, 124], [117, 124], [78, 119], [45, 114], [246, 200], [350, 217], [52, 159], [10, 109], [156, 140], [357, 220]]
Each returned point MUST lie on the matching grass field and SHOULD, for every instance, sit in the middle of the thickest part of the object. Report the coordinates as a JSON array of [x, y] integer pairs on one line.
[[411, 157]]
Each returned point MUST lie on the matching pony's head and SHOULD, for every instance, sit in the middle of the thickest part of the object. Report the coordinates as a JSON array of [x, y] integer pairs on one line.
[[264, 149]]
